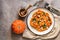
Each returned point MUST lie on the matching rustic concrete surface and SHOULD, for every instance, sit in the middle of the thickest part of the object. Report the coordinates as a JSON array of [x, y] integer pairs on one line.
[[9, 13]]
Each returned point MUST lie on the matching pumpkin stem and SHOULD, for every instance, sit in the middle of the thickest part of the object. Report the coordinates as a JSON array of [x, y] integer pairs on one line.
[[18, 26]]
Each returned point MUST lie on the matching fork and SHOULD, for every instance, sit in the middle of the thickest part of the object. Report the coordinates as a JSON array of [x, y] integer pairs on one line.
[[52, 9]]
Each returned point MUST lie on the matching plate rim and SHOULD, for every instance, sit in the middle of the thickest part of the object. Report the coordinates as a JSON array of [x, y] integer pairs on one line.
[[29, 14]]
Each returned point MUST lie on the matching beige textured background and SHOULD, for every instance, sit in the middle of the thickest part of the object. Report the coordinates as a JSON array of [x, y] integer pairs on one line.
[[8, 13]]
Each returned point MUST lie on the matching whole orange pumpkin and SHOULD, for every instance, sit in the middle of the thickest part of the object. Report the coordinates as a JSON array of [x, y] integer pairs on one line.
[[18, 26]]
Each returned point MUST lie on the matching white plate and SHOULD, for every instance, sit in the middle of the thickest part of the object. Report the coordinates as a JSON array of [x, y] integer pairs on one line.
[[34, 30]]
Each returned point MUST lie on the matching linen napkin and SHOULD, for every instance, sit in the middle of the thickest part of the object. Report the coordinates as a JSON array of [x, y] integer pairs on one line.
[[53, 33]]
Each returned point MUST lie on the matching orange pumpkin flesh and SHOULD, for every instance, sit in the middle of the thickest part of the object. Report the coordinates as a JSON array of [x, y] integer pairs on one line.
[[18, 26]]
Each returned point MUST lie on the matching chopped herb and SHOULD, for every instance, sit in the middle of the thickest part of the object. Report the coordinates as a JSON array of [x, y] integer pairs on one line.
[[38, 22], [34, 19], [44, 26], [44, 13]]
